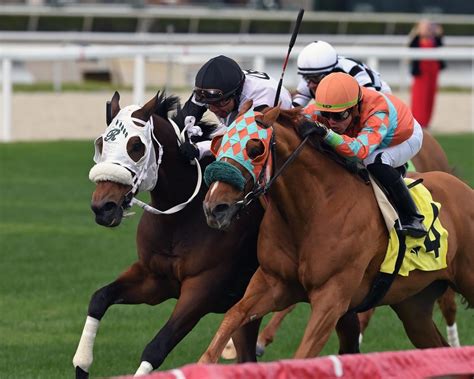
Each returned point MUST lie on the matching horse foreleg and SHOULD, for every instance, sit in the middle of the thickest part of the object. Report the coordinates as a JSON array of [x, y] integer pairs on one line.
[[364, 319], [258, 300], [245, 339], [416, 313], [132, 287], [328, 305], [197, 297], [348, 331], [266, 336], [447, 305]]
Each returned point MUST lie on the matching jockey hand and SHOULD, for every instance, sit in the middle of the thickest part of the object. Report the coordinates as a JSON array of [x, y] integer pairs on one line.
[[307, 128], [321, 129], [189, 151], [191, 128]]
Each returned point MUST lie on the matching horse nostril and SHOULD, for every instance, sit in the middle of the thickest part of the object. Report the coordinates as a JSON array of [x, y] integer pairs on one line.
[[107, 207], [220, 208]]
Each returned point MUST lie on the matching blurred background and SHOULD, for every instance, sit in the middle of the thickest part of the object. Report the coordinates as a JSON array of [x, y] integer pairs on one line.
[[139, 46]]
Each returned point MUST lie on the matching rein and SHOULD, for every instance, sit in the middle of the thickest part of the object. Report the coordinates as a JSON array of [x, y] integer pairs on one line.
[[261, 189], [134, 201]]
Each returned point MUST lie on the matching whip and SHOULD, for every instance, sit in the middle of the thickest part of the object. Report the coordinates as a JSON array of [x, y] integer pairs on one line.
[[292, 42]]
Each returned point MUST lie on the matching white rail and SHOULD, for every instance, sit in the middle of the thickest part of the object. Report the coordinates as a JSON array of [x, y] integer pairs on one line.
[[140, 54]]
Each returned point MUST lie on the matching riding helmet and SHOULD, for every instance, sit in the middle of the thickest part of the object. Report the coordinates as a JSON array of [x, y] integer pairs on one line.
[[337, 92], [221, 73], [317, 57]]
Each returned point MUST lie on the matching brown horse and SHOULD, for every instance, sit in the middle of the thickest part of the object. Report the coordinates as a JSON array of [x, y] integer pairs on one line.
[[317, 244], [431, 157], [179, 256]]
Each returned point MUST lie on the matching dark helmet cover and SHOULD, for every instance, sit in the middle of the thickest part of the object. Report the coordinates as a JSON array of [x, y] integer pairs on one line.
[[220, 73]]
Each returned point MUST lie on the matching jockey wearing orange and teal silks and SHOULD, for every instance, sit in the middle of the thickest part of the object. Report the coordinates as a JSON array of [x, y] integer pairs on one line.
[[375, 128]]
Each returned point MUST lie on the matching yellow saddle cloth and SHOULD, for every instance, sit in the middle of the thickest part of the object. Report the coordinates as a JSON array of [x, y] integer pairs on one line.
[[426, 253]]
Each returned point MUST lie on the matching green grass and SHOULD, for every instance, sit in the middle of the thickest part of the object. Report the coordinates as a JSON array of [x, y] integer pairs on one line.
[[54, 256]]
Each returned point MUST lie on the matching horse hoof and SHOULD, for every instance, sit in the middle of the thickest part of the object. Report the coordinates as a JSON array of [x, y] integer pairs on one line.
[[81, 374]]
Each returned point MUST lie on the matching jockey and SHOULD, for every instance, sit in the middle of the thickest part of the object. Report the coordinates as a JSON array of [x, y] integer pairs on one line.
[[222, 87], [319, 59], [375, 128]]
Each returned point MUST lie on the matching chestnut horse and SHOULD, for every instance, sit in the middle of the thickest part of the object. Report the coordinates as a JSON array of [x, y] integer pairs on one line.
[[179, 256], [431, 157], [322, 240]]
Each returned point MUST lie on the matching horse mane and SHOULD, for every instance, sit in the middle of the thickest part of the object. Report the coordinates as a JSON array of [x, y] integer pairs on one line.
[[295, 119], [165, 104], [172, 104]]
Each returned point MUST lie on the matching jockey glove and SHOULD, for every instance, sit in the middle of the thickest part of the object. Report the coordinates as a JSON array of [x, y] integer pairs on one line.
[[321, 129], [189, 150], [307, 128]]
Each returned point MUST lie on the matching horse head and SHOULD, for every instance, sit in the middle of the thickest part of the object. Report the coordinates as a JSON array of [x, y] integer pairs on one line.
[[139, 143], [243, 162], [126, 160]]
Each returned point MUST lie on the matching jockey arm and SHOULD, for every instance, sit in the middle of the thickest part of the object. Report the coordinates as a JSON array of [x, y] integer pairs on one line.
[[303, 94], [367, 140], [194, 108]]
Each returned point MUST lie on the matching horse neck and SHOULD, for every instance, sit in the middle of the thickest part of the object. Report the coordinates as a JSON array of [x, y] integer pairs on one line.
[[312, 180], [176, 178]]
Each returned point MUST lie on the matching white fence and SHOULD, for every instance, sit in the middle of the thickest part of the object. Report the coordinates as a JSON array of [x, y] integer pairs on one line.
[[177, 53]]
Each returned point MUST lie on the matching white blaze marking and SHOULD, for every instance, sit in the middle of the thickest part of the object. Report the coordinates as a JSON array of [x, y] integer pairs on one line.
[[213, 187]]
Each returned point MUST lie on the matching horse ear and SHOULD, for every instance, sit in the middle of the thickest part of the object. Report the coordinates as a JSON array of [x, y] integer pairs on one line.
[[145, 112], [271, 115], [216, 144], [112, 108], [245, 107]]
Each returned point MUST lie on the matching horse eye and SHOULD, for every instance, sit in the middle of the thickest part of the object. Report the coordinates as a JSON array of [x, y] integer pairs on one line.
[[255, 148], [137, 146]]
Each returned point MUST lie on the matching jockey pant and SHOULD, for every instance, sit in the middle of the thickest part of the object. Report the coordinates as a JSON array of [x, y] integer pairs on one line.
[[398, 155]]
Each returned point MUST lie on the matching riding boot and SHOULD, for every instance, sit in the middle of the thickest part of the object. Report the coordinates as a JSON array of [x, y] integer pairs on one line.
[[393, 183]]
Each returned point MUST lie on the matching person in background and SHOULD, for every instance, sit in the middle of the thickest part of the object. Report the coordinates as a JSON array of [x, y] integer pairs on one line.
[[319, 59], [425, 72], [222, 87]]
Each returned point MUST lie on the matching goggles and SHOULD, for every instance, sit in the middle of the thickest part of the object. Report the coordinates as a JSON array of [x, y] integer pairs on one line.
[[212, 96], [315, 78], [337, 116]]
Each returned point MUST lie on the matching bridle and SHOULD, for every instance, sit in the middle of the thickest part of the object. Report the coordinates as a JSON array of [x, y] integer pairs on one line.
[[130, 196]]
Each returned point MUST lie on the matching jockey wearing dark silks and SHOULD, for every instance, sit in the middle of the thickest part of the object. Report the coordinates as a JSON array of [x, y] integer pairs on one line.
[[319, 59], [221, 87], [375, 128]]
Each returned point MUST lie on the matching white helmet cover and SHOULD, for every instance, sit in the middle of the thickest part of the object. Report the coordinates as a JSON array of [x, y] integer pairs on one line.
[[316, 58]]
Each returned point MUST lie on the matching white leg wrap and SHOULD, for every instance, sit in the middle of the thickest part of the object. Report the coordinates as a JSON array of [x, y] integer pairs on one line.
[[144, 369], [453, 337], [361, 337], [83, 357]]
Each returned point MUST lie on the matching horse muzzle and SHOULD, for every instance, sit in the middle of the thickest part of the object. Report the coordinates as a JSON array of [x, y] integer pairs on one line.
[[220, 216], [107, 214]]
